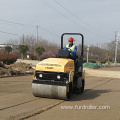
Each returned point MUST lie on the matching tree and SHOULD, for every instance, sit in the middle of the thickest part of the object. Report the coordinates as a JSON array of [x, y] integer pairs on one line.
[[39, 50], [8, 49], [96, 52], [109, 50], [23, 49]]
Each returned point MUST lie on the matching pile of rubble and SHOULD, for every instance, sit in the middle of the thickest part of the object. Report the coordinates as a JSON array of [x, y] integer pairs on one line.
[[15, 69]]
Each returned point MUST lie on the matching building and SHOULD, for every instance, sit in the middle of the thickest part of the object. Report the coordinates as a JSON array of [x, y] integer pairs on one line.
[[14, 47]]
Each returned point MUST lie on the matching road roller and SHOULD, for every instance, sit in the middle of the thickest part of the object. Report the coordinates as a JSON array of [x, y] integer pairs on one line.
[[60, 77]]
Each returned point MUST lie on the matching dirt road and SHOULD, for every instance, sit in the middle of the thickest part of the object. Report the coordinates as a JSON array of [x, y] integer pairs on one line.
[[17, 101]]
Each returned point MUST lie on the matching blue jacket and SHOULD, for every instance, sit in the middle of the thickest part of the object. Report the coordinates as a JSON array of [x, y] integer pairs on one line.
[[73, 52]]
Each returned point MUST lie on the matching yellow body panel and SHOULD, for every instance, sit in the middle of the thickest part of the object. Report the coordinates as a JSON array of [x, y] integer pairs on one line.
[[83, 74], [71, 74], [56, 65]]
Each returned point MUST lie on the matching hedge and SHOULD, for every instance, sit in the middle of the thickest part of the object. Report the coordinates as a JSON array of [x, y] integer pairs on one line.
[[93, 60], [8, 58]]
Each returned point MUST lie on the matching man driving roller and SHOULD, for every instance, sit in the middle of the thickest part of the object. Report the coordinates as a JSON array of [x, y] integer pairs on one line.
[[72, 48]]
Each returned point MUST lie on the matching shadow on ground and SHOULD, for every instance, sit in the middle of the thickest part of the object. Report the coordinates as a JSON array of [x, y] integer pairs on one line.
[[88, 94]]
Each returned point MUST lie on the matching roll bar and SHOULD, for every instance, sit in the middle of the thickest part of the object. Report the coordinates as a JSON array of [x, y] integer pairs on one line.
[[82, 49]]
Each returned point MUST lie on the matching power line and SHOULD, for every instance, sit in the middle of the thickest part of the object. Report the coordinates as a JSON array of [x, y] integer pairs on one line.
[[49, 31], [70, 12], [14, 23], [69, 18], [77, 17], [26, 25], [9, 33], [59, 12]]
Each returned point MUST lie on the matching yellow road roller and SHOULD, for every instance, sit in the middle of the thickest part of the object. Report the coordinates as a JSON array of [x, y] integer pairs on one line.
[[59, 77]]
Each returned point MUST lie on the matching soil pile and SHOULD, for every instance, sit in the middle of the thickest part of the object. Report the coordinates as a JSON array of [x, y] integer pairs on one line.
[[15, 69]]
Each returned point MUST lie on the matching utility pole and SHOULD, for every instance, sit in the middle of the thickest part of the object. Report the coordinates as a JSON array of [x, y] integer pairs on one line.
[[116, 47], [87, 53], [37, 35], [23, 39]]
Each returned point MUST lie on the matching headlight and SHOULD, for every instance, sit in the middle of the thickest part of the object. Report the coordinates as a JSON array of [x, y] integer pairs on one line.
[[40, 75], [58, 76], [66, 82]]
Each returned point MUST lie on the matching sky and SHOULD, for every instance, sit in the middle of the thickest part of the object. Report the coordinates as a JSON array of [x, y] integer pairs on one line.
[[97, 20]]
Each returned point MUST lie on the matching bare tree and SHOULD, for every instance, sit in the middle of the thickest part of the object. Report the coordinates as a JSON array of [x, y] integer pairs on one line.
[[109, 50], [12, 41], [31, 42]]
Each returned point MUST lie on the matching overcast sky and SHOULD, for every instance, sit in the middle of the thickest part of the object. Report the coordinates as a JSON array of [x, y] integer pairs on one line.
[[97, 20]]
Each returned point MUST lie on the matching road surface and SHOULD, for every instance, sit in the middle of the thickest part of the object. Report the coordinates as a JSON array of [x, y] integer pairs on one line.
[[18, 103]]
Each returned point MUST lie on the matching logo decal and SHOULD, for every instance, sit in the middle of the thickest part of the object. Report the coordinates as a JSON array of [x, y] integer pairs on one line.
[[67, 64], [48, 67]]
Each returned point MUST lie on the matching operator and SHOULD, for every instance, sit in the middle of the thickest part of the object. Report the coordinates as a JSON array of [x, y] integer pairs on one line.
[[72, 48]]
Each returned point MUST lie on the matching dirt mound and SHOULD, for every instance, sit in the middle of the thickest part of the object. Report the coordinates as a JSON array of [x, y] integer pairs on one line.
[[15, 69]]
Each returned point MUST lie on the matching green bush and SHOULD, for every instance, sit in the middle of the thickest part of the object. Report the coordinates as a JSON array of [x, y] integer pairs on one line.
[[40, 59], [39, 50], [8, 49], [34, 57], [89, 60], [102, 61], [84, 60], [93, 60]]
